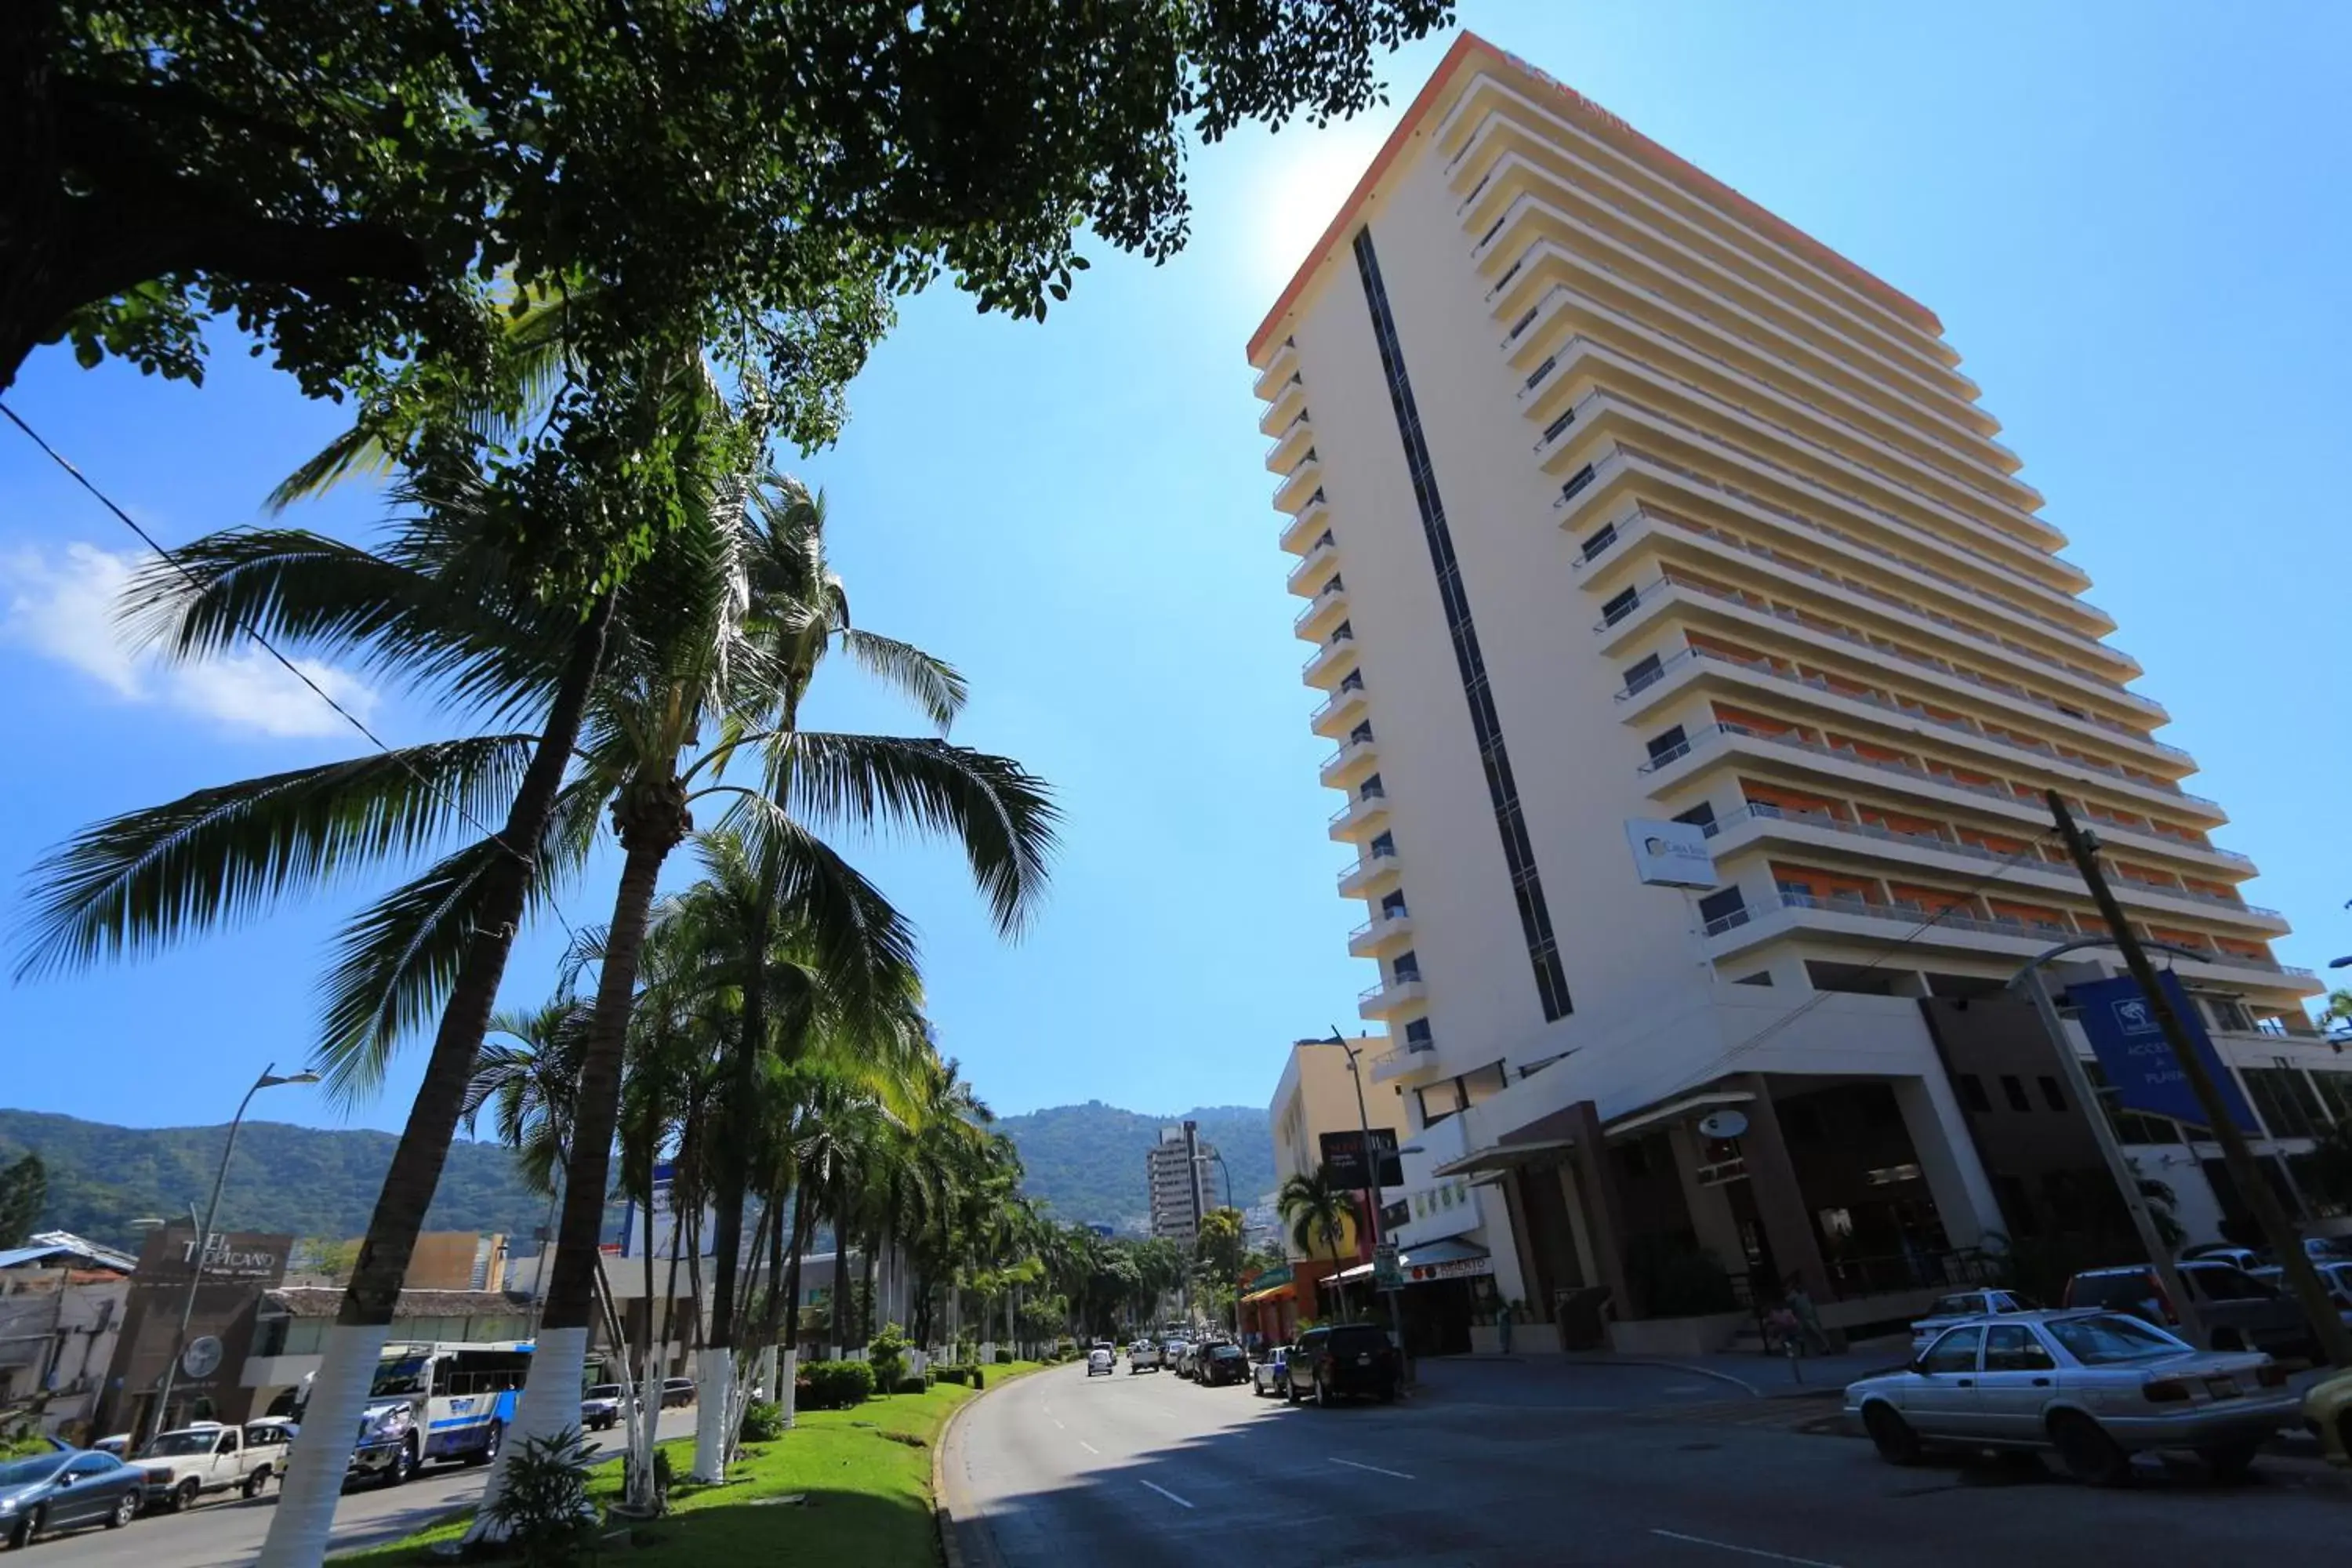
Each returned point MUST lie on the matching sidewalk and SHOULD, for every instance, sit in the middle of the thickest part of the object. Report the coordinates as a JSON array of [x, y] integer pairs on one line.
[[1549, 1378]]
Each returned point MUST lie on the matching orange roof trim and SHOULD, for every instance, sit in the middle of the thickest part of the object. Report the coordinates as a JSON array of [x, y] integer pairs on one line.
[[1618, 134]]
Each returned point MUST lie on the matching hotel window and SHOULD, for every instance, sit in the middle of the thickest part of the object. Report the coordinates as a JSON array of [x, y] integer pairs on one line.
[[1972, 1092], [1668, 742], [1722, 905], [1700, 816], [1620, 606], [1405, 967], [2013, 1090], [1416, 1032]]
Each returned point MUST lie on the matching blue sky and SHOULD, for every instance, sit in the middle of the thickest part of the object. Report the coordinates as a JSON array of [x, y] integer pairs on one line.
[[2131, 220]]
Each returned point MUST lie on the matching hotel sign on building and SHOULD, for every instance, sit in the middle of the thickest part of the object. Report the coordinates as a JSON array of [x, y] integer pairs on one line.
[[238, 1266]]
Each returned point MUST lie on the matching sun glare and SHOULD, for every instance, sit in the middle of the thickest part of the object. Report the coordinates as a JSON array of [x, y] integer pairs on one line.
[[1303, 174]]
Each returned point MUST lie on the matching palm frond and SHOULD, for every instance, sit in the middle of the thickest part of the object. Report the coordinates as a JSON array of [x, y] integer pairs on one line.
[[998, 810], [855, 935], [131, 884], [931, 684]]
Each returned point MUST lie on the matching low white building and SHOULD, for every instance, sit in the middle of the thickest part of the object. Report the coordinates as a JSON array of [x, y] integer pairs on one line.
[[61, 1301]]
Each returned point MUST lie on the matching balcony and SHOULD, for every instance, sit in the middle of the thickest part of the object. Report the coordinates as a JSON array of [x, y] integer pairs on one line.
[[1327, 664], [1345, 768], [1761, 819], [1307, 577], [1645, 691], [1282, 454], [1919, 926], [1289, 398], [1401, 1060], [1392, 996], [1298, 535], [1343, 710], [1326, 611], [1278, 370], [1376, 873], [1360, 818], [1667, 770], [1299, 483], [1756, 613], [1380, 935], [1719, 546]]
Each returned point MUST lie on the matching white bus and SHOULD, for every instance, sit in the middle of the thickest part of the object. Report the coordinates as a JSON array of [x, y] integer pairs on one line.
[[440, 1401]]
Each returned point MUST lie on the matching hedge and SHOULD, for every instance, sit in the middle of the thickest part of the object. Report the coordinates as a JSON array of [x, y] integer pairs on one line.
[[836, 1384]]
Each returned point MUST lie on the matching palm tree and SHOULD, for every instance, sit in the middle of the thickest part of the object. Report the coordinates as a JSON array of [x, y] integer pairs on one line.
[[1318, 1211]]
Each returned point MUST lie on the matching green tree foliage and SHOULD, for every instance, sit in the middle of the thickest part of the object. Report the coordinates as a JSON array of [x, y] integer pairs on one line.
[[1218, 1250], [23, 1193], [361, 186], [296, 1180]]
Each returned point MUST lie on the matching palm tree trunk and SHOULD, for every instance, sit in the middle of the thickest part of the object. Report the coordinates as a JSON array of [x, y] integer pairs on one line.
[[840, 1265], [735, 1147], [788, 1373], [298, 1530], [651, 820]]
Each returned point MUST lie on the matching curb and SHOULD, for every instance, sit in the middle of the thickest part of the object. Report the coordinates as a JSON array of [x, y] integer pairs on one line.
[[943, 1517]]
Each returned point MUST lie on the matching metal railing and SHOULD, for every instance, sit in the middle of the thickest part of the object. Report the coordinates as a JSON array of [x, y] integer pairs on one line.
[[1355, 800], [1370, 992], [1912, 914], [1369, 927], [1338, 639], [1707, 733], [1326, 598], [1283, 439]]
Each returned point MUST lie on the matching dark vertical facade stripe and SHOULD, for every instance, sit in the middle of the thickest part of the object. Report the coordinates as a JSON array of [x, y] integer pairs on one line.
[[1518, 853]]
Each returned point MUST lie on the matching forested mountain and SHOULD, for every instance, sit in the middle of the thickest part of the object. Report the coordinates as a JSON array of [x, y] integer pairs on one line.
[[299, 1181], [1086, 1160]]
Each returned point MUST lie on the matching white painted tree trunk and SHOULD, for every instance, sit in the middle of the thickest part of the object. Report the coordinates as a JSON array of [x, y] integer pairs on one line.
[[714, 1399], [549, 1404], [788, 1371], [644, 1415], [767, 1377], [298, 1531]]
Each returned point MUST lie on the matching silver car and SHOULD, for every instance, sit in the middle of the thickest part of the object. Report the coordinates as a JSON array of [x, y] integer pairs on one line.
[[1963, 1306], [2095, 1387]]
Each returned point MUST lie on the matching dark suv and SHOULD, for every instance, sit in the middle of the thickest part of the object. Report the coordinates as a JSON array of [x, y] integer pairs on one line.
[[1344, 1358]]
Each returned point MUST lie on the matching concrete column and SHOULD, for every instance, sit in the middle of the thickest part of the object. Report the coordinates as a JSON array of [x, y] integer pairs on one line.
[[1780, 1203], [1603, 1216], [1710, 1211], [1947, 1159], [1575, 1196]]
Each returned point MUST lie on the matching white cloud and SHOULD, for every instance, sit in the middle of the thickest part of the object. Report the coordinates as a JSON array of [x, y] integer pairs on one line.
[[61, 604]]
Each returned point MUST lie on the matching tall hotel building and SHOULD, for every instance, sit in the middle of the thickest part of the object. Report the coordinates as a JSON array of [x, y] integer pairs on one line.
[[1613, 497]]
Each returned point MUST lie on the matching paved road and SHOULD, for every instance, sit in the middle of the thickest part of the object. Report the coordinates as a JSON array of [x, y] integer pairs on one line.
[[219, 1534], [1633, 1466]]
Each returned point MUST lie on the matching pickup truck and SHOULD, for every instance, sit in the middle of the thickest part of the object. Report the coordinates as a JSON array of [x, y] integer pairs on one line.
[[182, 1466], [2238, 1311]]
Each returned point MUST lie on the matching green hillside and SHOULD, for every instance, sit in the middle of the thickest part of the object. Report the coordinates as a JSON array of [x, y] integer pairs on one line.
[[300, 1180], [1086, 1160]]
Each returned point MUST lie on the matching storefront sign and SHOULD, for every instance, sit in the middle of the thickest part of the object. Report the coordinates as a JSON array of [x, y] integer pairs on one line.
[[2139, 1060], [1342, 1152], [1452, 1269], [1670, 854]]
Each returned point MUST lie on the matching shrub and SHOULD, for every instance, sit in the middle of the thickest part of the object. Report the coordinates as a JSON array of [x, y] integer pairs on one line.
[[887, 1354], [839, 1384], [979, 1378], [763, 1421], [1005, 1358], [543, 1506], [913, 1382], [956, 1374]]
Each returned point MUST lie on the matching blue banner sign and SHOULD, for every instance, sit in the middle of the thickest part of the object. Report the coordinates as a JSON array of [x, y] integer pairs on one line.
[[2138, 1061]]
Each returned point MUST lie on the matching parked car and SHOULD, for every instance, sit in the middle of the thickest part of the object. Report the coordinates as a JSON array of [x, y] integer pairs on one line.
[[1344, 1358], [1224, 1364], [2327, 1411], [2238, 1311], [2096, 1386], [183, 1465], [1143, 1356], [64, 1490], [2222, 1252], [1272, 1373], [273, 1435], [1186, 1356], [2334, 1272], [676, 1391], [1961, 1306], [600, 1407], [1099, 1360]]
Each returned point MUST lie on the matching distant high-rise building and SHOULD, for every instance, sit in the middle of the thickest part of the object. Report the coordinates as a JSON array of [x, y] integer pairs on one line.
[[1175, 1168]]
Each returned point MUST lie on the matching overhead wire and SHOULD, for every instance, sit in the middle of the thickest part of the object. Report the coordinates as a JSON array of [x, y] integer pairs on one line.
[[245, 625]]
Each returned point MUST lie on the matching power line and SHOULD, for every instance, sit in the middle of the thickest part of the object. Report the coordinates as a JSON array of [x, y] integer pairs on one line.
[[245, 625]]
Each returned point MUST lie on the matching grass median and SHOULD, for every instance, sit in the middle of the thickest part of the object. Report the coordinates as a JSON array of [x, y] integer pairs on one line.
[[862, 1478]]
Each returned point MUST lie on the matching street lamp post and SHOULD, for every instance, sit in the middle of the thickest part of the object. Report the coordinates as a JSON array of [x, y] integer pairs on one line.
[[1371, 1175], [269, 1079], [1219, 1157]]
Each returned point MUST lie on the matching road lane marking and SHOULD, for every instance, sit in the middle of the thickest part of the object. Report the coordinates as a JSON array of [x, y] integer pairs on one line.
[[1057, 1421], [1089, 1447], [1163, 1492], [1742, 1551], [1351, 1464]]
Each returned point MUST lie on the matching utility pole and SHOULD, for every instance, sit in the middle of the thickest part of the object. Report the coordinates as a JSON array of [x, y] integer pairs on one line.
[[2335, 1342], [1371, 1179]]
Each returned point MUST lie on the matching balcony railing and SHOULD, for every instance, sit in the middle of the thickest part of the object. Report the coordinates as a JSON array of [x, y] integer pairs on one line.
[[1324, 601], [1876, 645], [1338, 639], [1706, 733], [1360, 801], [1281, 439], [1350, 750], [1948, 918], [1374, 992], [1369, 927], [2006, 741], [1764, 811]]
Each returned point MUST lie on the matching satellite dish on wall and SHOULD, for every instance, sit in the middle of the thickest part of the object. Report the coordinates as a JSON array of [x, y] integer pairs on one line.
[[1723, 1124], [203, 1357]]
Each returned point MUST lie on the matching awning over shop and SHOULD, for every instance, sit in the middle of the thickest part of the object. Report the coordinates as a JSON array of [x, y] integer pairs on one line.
[[1360, 1271], [1499, 1157], [1445, 1260], [1274, 1285]]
